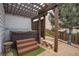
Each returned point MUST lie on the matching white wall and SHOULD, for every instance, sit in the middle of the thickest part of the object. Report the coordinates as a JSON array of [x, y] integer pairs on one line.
[[1, 26], [47, 24], [16, 23]]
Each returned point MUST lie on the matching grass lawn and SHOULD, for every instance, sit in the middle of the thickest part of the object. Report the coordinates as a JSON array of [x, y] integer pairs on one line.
[[51, 34], [32, 53]]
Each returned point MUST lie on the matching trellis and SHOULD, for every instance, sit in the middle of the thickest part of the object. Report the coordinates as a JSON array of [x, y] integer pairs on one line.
[[23, 9]]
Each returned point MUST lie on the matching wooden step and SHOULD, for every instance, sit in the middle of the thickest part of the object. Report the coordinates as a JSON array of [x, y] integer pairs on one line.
[[25, 40], [25, 50], [26, 45], [23, 45]]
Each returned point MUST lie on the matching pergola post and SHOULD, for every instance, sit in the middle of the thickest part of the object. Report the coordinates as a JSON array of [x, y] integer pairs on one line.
[[44, 27], [56, 12], [39, 29], [32, 24]]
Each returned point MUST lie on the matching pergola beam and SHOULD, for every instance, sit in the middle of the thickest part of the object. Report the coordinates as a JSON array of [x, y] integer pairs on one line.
[[47, 8], [40, 15]]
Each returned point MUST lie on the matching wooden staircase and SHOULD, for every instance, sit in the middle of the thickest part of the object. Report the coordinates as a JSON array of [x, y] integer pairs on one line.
[[26, 45]]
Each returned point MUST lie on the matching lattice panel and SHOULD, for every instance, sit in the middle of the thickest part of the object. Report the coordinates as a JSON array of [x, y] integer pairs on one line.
[[23, 9]]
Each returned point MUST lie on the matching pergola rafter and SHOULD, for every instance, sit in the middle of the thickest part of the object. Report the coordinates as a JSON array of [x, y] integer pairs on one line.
[[26, 9], [23, 9]]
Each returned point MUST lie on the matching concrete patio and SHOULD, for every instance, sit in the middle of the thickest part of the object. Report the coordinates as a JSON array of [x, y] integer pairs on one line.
[[63, 49]]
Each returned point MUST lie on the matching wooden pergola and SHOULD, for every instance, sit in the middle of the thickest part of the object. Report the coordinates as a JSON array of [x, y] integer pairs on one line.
[[36, 11]]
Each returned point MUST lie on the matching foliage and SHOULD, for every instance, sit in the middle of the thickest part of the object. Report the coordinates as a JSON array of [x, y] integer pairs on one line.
[[69, 15], [49, 33], [51, 19]]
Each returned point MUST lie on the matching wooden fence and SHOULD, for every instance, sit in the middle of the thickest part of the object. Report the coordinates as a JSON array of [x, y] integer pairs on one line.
[[64, 36]]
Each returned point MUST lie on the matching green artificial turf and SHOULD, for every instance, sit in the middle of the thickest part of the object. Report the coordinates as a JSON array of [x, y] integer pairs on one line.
[[14, 52], [32, 53]]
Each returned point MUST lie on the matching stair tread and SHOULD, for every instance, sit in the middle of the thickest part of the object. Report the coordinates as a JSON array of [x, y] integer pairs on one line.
[[26, 44], [23, 40], [27, 49]]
